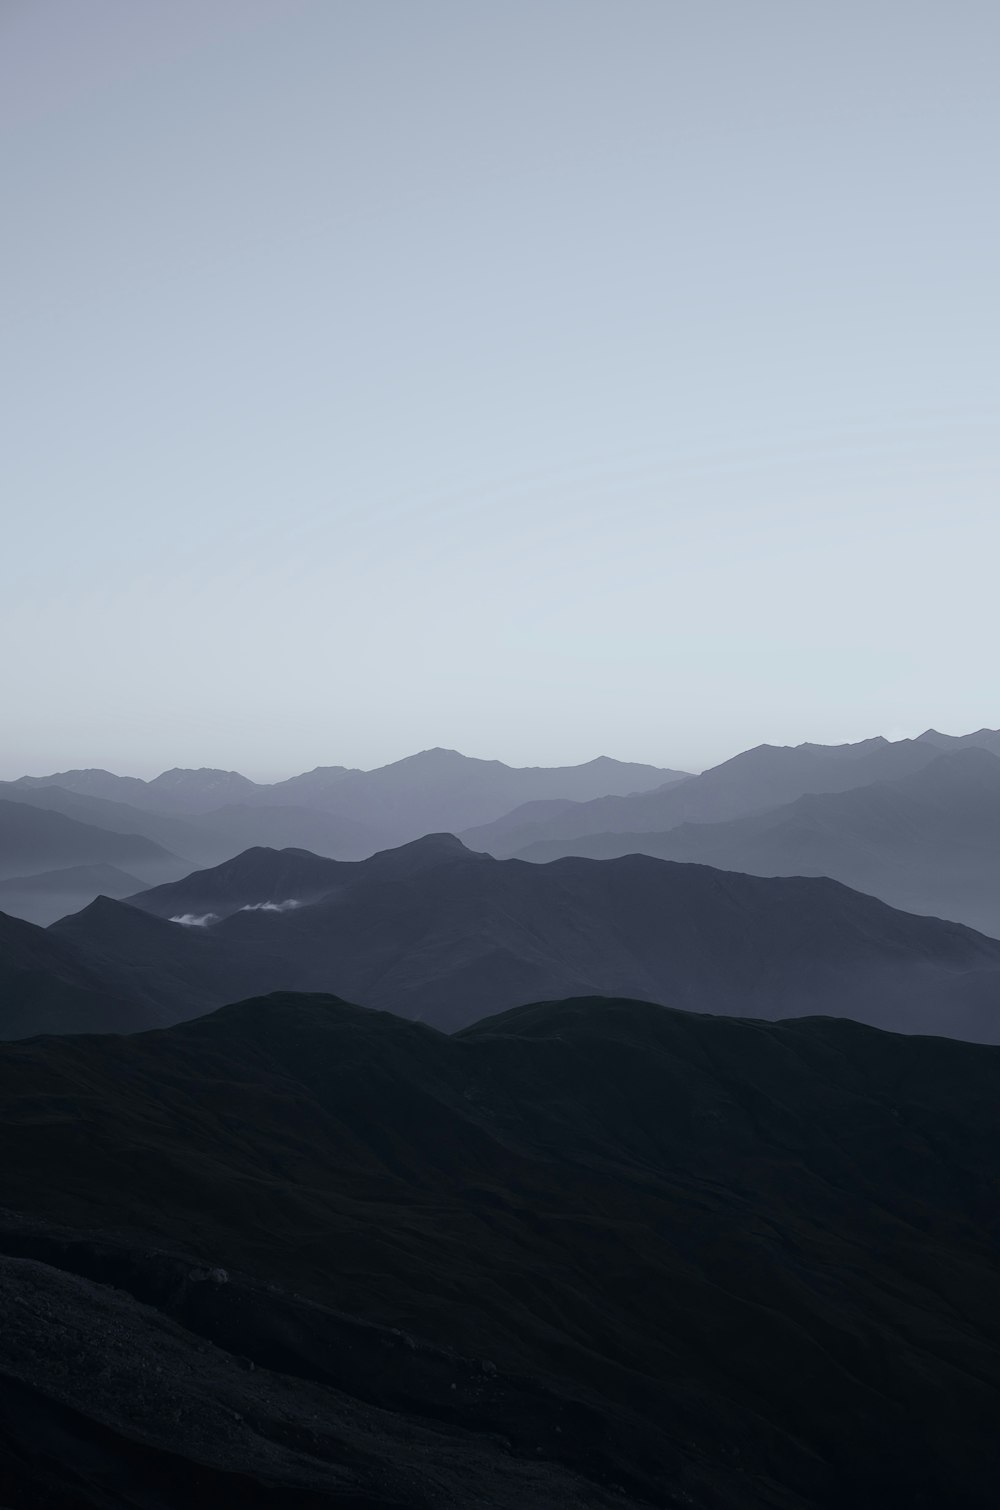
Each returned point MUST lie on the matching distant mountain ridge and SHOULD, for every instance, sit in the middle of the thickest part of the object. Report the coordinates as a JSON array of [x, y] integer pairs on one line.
[[33, 839], [206, 817], [51, 894], [389, 805], [752, 782], [928, 841]]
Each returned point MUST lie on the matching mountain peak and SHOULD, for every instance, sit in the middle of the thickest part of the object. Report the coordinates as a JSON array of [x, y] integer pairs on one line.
[[429, 846]]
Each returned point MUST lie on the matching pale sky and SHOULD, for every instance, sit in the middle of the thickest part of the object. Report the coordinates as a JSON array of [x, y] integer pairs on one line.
[[542, 378]]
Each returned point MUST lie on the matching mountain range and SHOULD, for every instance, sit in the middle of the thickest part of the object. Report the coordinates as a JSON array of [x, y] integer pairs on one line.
[[396, 802], [765, 777], [585, 1254], [194, 818], [927, 842], [35, 839], [436, 932], [202, 818]]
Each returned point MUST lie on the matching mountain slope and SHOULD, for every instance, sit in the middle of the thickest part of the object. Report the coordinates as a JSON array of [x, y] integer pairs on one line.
[[982, 739], [167, 971], [176, 791], [50, 984], [257, 878], [432, 790], [928, 842], [244, 825], [674, 1259], [51, 894], [34, 839], [189, 840], [439, 790], [436, 932], [765, 777]]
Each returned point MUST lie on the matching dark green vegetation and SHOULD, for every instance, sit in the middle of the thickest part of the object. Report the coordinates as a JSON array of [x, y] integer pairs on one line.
[[714, 1263], [435, 932]]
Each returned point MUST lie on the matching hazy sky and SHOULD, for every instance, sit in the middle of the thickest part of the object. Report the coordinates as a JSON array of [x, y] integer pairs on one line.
[[541, 378]]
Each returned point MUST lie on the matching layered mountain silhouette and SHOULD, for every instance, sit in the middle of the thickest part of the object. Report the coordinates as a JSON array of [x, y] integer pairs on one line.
[[765, 777], [585, 1254], [49, 984], [207, 816], [982, 739], [51, 894], [257, 878], [191, 840], [174, 791], [434, 789], [33, 839], [435, 932], [440, 790], [928, 842]]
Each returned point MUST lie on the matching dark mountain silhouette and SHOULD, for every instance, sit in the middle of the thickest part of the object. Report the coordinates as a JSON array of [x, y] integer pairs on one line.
[[50, 985], [34, 839], [928, 842], [51, 894], [588, 1253], [169, 971], [253, 879], [435, 932], [765, 777]]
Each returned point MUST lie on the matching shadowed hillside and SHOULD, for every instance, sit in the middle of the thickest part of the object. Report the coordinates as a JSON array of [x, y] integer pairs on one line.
[[435, 932], [711, 1262]]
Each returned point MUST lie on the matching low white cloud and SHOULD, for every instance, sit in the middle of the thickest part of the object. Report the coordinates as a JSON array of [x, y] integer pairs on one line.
[[195, 919], [271, 906]]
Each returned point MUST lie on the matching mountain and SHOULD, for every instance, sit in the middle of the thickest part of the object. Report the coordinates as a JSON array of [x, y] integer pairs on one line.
[[34, 839], [982, 739], [175, 791], [441, 790], [354, 813], [435, 932], [433, 773], [168, 971], [184, 791], [584, 1254], [765, 777], [50, 984], [256, 879], [928, 842], [92, 782], [432, 790], [189, 839], [310, 790], [52, 893], [246, 825]]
